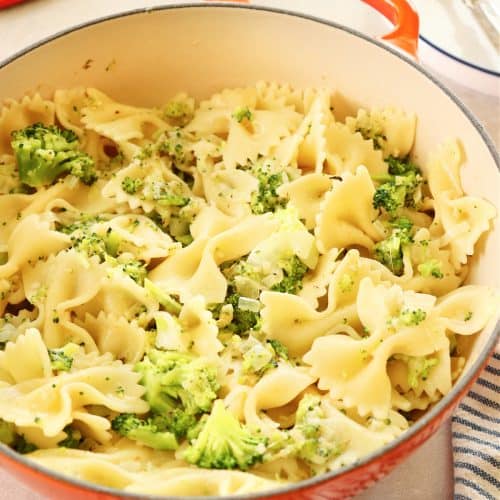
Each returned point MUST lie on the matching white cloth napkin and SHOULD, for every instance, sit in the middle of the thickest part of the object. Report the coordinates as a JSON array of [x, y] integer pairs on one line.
[[476, 437]]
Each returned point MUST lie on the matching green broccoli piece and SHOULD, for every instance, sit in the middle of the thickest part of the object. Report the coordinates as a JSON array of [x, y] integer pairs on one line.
[[178, 384], [390, 251], [178, 112], [17, 442], [266, 198], [259, 357], [43, 153], [243, 113], [312, 446], [22, 446], [131, 185], [396, 193], [151, 432], [7, 432], [244, 320], [90, 243], [373, 132], [412, 317], [418, 367], [180, 423], [61, 360], [223, 443], [402, 166], [280, 350], [169, 303], [73, 438], [294, 270], [83, 225], [112, 241], [398, 188], [176, 109], [136, 270], [430, 268], [165, 196]]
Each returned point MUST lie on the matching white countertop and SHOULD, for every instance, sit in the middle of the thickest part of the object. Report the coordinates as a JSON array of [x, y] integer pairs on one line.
[[428, 473]]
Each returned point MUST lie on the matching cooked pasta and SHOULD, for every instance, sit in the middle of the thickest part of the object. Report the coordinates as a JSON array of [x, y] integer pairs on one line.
[[243, 283]]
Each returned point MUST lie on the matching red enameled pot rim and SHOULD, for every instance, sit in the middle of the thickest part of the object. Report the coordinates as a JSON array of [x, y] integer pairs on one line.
[[442, 407]]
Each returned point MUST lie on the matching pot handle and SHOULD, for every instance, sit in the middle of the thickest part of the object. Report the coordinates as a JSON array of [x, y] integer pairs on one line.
[[8, 3], [401, 14], [405, 20]]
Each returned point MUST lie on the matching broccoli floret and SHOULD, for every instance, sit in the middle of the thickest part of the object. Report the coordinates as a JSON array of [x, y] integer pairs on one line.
[[176, 109], [73, 438], [224, 443], [177, 383], [390, 251], [398, 189], [82, 225], [259, 357], [247, 279], [243, 114], [9, 436], [390, 197], [294, 270], [244, 320], [412, 317], [178, 112], [346, 283], [372, 131], [22, 446], [169, 303], [136, 270], [131, 185], [112, 241], [402, 166], [168, 332], [266, 198], [418, 367], [396, 193], [90, 243], [175, 147], [43, 153], [430, 268], [7, 432], [150, 432], [180, 422], [280, 350], [61, 360], [307, 432], [165, 195]]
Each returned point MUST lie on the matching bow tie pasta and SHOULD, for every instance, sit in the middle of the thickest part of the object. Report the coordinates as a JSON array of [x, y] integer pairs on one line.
[[247, 283]]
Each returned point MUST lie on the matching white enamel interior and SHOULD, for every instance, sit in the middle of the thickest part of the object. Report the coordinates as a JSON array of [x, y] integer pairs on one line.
[[203, 49]]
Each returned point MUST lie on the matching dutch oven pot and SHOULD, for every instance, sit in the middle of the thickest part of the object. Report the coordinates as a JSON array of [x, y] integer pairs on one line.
[[202, 48]]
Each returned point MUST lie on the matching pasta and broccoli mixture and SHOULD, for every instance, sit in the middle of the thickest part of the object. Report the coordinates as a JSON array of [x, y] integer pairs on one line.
[[225, 296]]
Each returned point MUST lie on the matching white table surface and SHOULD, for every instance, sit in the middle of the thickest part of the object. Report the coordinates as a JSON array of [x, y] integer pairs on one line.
[[428, 473]]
